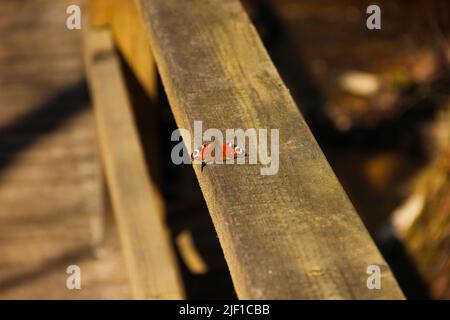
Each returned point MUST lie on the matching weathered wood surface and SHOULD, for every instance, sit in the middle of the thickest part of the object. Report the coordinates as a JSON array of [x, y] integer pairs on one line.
[[290, 235], [137, 204], [49, 170]]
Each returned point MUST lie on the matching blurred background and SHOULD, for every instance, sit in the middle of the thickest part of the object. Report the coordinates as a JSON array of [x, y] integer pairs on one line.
[[377, 101]]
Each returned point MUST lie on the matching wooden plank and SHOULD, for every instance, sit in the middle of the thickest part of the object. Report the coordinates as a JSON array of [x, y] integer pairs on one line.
[[137, 204], [290, 235], [48, 162], [128, 32]]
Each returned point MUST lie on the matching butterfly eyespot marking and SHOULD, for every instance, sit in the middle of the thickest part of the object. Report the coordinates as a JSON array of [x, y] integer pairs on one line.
[[239, 151], [195, 154]]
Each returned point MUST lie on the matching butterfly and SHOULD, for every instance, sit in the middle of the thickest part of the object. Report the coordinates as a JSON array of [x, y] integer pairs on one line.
[[207, 153]]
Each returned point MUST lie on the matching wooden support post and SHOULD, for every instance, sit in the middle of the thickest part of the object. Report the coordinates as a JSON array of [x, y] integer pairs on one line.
[[122, 16], [136, 202]]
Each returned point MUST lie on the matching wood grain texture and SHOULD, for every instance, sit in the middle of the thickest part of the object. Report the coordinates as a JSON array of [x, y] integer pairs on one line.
[[292, 235], [49, 164], [137, 204]]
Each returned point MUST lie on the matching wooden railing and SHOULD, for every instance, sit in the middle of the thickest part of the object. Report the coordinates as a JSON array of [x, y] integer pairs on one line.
[[292, 235], [136, 202]]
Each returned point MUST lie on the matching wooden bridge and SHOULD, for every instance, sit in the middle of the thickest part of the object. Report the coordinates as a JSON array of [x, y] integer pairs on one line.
[[292, 235]]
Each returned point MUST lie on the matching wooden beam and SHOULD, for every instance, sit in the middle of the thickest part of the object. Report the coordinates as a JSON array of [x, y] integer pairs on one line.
[[136, 203], [292, 235], [122, 16]]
